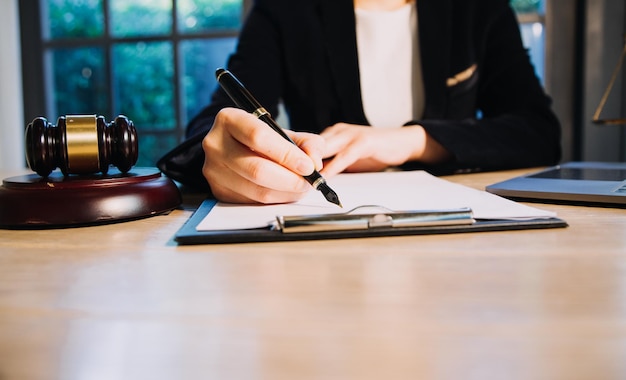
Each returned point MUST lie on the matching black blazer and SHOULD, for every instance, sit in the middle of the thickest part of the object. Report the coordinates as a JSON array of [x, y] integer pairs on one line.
[[483, 100]]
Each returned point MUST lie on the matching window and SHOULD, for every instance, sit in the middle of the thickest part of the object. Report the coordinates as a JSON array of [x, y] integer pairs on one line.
[[151, 60], [531, 16]]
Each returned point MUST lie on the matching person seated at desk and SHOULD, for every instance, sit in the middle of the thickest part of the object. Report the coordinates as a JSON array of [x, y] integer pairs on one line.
[[441, 85]]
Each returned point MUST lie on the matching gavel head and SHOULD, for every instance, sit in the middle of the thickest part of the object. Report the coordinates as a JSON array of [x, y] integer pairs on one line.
[[81, 144]]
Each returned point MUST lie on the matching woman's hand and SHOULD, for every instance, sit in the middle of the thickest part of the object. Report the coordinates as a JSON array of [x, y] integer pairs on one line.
[[247, 162], [358, 148]]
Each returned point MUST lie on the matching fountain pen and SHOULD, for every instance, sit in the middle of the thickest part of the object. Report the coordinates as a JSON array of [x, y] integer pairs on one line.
[[244, 100]]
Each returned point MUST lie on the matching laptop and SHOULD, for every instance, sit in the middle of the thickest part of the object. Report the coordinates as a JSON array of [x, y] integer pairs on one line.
[[585, 183]]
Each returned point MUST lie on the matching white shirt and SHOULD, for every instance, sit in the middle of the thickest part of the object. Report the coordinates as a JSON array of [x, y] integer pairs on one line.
[[392, 90]]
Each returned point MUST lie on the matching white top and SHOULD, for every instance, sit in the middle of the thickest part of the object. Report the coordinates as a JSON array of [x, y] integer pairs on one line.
[[392, 90]]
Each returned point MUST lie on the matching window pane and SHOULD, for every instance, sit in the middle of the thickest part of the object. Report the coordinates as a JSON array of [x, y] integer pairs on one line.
[[80, 85], [132, 18], [200, 58], [528, 6], [143, 77], [206, 15], [533, 31], [75, 18], [143, 87], [534, 37], [154, 146]]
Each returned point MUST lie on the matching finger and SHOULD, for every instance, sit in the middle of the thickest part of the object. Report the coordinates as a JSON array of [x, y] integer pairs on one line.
[[343, 148], [312, 144], [338, 138], [266, 173], [334, 130], [259, 137], [231, 180], [256, 168], [344, 159], [240, 190], [238, 174]]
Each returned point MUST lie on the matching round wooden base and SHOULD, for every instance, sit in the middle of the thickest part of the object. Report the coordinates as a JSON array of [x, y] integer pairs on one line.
[[31, 201]]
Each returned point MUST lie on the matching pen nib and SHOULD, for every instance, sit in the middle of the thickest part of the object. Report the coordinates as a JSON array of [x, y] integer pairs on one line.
[[329, 194]]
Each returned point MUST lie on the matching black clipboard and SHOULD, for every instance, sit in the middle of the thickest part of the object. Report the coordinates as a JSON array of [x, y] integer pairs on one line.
[[188, 234]]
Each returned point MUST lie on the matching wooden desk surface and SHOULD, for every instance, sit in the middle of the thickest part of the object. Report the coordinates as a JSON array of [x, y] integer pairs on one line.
[[123, 301]]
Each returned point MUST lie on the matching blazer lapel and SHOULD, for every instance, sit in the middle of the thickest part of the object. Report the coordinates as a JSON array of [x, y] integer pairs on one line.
[[339, 33], [434, 24]]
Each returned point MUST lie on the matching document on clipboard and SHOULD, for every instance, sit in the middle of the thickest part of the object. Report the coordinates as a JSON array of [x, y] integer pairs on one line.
[[375, 204]]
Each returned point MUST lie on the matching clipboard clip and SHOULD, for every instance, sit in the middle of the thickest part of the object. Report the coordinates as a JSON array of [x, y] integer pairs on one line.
[[381, 217]]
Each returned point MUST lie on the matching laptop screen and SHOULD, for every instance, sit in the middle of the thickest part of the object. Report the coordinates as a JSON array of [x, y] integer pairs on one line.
[[593, 174]]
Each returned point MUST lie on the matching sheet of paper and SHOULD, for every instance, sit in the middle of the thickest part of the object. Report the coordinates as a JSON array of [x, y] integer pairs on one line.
[[398, 191]]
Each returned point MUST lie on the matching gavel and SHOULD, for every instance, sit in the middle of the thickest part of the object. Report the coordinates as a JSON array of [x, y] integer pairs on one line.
[[81, 144]]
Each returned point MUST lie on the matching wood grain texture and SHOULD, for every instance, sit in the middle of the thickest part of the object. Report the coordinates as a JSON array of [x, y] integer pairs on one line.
[[123, 301]]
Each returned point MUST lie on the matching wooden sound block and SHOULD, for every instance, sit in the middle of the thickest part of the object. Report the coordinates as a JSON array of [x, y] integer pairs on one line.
[[32, 201]]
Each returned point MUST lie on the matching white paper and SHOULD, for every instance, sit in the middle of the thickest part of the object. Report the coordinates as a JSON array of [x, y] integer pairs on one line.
[[398, 191]]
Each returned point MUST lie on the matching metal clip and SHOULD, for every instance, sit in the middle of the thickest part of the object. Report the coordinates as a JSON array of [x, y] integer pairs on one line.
[[358, 219]]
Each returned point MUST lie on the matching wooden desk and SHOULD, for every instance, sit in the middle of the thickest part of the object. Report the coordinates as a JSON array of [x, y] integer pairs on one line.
[[123, 301]]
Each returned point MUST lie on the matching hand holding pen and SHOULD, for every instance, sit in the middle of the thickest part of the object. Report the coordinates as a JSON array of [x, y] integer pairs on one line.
[[247, 160]]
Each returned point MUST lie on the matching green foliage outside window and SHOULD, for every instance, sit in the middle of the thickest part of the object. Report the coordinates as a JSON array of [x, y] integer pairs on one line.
[[137, 78], [143, 77], [202, 15], [79, 18], [80, 85], [140, 17], [527, 6], [85, 18]]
